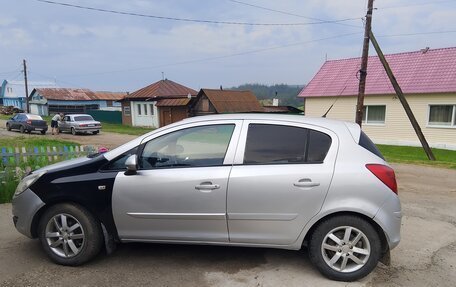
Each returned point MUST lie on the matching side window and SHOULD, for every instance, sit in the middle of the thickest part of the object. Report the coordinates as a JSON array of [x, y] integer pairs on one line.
[[319, 144], [67, 118], [192, 147], [119, 162], [275, 144]]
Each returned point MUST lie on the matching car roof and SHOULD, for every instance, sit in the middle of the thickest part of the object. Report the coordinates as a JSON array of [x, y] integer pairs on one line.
[[266, 116], [77, 115]]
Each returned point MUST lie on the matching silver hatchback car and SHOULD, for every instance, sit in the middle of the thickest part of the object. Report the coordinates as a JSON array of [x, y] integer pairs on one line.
[[253, 180]]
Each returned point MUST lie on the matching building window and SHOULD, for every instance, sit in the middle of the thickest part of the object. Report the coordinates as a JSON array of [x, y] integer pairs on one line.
[[145, 109], [127, 111], [139, 109], [151, 109], [442, 115], [374, 114]]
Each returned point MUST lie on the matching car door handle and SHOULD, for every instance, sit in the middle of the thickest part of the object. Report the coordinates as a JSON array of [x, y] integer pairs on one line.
[[306, 182], [207, 186]]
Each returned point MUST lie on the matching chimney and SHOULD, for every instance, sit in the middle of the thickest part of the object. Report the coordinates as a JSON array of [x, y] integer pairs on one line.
[[275, 102], [221, 88], [424, 51]]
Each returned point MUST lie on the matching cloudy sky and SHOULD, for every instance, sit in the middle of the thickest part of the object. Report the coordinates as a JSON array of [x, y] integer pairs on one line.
[[106, 51]]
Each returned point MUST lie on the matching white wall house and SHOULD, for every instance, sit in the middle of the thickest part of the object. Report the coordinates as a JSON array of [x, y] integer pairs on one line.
[[145, 114], [427, 78]]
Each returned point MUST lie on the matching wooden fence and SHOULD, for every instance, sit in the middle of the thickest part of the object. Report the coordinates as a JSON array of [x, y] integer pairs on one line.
[[13, 156]]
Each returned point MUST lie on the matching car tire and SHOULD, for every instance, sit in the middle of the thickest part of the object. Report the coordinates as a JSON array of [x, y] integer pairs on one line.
[[22, 129], [8, 127], [73, 131], [65, 223], [360, 253], [96, 132], [43, 132]]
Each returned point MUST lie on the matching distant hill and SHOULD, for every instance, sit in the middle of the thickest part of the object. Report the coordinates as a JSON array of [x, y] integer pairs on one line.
[[287, 94]]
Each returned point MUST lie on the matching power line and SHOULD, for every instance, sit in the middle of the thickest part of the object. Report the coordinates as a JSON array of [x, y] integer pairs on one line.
[[219, 57], [416, 4], [248, 52], [298, 15], [184, 19], [416, 34]]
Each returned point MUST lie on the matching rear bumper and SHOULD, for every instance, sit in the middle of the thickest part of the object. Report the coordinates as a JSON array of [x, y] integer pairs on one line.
[[89, 129], [36, 128], [25, 206], [389, 217]]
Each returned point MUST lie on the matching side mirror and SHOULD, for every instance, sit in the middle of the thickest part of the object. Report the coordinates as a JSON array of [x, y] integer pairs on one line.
[[131, 164]]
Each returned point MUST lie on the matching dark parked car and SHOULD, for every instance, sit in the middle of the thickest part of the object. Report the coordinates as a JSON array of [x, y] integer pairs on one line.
[[27, 123]]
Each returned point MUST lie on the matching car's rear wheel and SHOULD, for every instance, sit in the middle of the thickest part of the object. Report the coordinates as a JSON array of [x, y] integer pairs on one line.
[[22, 129], [345, 248], [43, 132], [73, 131], [8, 127], [96, 132], [69, 234]]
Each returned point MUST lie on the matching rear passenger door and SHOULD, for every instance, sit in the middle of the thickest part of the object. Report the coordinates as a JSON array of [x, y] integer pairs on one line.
[[280, 178]]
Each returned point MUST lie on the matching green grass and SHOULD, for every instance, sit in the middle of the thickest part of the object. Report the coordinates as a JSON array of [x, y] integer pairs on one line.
[[416, 155], [123, 129], [25, 141]]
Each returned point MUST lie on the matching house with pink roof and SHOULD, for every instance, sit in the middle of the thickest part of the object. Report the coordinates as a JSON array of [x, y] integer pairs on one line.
[[427, 78]]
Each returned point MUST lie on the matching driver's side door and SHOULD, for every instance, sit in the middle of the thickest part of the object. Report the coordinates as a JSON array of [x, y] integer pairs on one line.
[[179, 190]]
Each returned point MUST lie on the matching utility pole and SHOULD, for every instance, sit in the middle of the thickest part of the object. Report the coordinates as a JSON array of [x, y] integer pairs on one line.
[[363, 70], [402, 98], [26, 87]]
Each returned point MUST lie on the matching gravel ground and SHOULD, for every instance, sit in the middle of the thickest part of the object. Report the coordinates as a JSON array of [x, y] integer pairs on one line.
[[425, 257]]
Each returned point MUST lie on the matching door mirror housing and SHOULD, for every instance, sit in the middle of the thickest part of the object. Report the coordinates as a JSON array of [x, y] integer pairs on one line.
[[131, 164]]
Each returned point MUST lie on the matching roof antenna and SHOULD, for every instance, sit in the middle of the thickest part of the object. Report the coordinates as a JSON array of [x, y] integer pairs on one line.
[[221, 88], [324, 116], [163, 76]]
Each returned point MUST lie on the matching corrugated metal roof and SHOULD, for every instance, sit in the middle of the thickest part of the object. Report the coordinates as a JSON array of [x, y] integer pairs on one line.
[[65, 94], [229, 101], [173, 102], [427, 71], [163, 88]]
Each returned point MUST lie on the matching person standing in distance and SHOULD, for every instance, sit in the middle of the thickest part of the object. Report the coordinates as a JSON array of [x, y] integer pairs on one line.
[[55, 123]]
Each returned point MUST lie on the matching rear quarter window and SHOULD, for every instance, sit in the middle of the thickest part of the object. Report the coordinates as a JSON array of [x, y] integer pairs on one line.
[[367, 143]]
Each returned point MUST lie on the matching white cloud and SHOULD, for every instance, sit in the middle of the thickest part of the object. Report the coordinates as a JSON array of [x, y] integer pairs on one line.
[[15, 37]]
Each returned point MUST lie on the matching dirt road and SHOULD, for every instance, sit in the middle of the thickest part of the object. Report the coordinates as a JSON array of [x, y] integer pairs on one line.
[[425, 257], [104, 139]]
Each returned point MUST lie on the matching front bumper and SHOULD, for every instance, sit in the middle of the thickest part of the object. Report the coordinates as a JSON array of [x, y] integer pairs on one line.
[[25, 206], [389, 218]]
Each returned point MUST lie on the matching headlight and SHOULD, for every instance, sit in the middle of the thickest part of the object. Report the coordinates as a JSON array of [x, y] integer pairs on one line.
[[27, 181]]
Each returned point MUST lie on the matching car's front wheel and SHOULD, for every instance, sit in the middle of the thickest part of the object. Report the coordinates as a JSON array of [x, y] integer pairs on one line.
[[345, 248], [69, 234]]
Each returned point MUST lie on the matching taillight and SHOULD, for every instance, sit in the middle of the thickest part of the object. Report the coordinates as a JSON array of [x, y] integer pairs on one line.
[[29, 122], [385, 174]]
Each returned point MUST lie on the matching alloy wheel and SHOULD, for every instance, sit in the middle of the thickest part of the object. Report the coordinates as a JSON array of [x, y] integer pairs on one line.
[[345, 249], [65, 235]]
